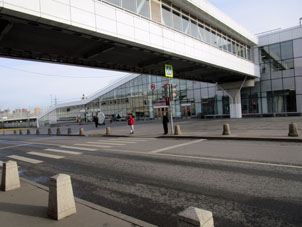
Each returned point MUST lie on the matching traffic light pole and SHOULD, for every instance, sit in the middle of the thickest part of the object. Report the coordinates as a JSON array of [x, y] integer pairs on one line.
[[170, 104]]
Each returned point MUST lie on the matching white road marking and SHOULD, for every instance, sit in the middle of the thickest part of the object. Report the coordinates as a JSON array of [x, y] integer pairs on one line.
[[106, 143], [93, 145], [19, 145], [24, 159], [63, 151], [176, 146], [209, 159], [119, 141], [45, 155], [79, 148]]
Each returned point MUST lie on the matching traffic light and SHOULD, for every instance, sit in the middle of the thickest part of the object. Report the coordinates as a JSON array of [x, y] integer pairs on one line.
[[166, 90], [167, 101]]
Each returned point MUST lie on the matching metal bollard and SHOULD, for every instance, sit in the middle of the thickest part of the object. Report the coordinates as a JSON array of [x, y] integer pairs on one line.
[[20, 132], [37, 131], [49, 131], [15, 132], [28, 132]]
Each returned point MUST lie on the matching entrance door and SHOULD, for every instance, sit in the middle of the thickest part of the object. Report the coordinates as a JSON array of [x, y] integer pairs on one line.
[[186, 111]]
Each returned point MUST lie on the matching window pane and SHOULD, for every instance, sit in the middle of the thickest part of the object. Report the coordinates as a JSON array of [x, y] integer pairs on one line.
[[115, 2], [220, 44], [143, 8], [176, 21], [213, 38], [224, 42], [229, 44], [194, 29], [208, 35], [274, 51], [129, 4], [264, 54], [167, 16], [287, 64], [185, 25], [201, 32], [287, 50]]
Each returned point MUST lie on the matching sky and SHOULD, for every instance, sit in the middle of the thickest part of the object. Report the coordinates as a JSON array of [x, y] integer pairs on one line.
[[27, 84]]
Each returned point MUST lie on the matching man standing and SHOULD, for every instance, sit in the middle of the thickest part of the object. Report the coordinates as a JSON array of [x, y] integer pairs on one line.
[[96, 120], [165, 123], [131, 122]]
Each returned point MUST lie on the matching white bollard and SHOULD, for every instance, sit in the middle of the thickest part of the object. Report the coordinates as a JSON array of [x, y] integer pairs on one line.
[[108, 131], [60, 201], [195, 217], [81, 133], [10, 176], [177, 130]]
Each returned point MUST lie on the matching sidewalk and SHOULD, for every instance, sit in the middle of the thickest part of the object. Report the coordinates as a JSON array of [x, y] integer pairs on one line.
[[275, 128], [27, 207]]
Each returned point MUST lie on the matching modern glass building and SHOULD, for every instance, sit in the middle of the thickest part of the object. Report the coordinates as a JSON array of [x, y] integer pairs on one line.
[[277, 92]]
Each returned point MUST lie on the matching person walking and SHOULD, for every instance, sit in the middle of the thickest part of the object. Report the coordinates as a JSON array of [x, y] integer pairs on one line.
[[131, 122], [165, 123], [96, 120]]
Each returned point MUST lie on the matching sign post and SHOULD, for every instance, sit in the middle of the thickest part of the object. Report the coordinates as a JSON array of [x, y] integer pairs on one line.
[[169, 74]]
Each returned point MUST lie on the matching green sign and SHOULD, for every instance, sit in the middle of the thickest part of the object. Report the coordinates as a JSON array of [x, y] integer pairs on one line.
[[169, 70]]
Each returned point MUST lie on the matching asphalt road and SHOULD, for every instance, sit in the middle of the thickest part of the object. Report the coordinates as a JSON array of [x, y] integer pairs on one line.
[[243, 183]]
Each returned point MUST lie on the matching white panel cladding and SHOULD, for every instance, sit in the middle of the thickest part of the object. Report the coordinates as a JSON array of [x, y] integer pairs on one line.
[[31, 7], [56, 10], [82, 18], [101, 19]]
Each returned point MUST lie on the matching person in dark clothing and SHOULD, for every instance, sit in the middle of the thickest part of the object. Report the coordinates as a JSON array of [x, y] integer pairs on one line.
[[165, 123], [96, 120]]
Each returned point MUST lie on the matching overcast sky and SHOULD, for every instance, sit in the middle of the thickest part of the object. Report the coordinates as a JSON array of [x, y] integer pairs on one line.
[[26, 84]]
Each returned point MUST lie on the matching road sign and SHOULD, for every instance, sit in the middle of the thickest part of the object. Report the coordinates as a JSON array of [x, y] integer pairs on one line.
[[169, 70], [152, 86]]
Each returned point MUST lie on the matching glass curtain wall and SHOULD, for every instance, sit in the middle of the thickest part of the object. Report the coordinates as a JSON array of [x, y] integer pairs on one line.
[[188, 24]]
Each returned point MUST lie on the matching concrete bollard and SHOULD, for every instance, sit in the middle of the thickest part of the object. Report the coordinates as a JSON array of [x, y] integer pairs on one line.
[[293, 130], [60, 201], [49, 131], [193, 217], [108, 131], [81, 132], [20, 132], [37, 131], [226, 129], [69, 132], [15, 132], [10, 176], [28, 132], [177, 130], [58, 131]]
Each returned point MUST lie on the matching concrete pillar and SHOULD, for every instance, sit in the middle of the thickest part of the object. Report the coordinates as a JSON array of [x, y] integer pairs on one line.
[[37, 131], [10, 176], [235, 103], [81, 133], [69, 132], [177, 130], [293, 130], [60, 201], [49, 131], [58, 131], [226, 129], [28, 132], [195, 217], [108, 131]]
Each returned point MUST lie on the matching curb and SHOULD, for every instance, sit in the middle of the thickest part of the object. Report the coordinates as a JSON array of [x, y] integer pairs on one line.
[[99, 208], [272, 139]]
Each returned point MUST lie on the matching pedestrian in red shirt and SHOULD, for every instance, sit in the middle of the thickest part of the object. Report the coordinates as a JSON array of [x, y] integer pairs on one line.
[[131, 122]]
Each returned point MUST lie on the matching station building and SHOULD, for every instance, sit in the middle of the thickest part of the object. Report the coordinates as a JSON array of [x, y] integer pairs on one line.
[[278, 91], [220, 68]]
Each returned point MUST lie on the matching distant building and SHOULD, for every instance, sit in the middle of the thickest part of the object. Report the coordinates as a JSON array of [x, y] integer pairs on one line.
[[37, 111]]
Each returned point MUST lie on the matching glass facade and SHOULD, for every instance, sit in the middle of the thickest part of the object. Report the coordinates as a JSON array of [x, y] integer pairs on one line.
[[181, 21]]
